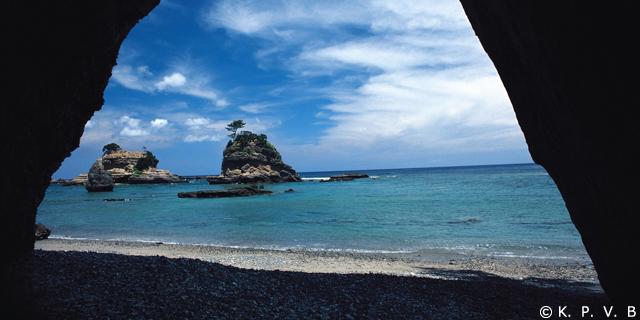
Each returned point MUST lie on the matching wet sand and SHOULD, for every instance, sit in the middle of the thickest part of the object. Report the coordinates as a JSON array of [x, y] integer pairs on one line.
[[112, 279]]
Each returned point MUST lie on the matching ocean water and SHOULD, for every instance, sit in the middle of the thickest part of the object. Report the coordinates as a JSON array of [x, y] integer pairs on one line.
[[501, 210]]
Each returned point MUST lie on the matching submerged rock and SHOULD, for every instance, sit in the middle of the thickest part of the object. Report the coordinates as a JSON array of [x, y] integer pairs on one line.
[[235, 192], [99, 180], [252, 159], [346, 177]]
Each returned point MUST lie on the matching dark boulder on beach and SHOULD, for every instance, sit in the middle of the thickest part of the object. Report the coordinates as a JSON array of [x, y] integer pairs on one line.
[[99, 180], [346, 177], [228, 193], [42, 232]]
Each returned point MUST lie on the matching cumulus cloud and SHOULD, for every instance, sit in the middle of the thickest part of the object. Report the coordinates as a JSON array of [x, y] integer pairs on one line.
[[131, 127], [173, 81], [159, 123]]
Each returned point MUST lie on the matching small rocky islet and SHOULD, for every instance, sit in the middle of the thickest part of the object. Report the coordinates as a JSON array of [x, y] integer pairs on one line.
[[118, 166], [251, 158], [248, 159]]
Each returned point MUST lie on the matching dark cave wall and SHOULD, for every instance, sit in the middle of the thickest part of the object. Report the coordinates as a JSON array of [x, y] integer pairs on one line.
[[57, 61], [571, 71]]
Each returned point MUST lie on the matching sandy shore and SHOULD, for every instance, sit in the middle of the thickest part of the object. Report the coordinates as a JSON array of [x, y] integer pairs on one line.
[[111, 279]]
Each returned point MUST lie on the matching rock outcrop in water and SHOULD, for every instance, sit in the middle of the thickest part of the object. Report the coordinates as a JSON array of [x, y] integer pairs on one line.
[[346, 177], [571, 72], [228, 193], [99, 180], [80, 180], [252, 159], [121, 165]]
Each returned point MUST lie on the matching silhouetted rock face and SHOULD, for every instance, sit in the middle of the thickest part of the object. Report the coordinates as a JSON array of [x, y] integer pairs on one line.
[[252, 159], [42, 232], [571, 73], [99, 180], [59, 64]]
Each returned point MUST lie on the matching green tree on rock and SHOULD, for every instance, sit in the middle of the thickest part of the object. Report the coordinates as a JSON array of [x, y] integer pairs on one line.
[[233, 127], [146, 162], [111, 147]]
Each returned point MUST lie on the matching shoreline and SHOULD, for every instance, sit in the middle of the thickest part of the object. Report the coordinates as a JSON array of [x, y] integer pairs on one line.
[[342, 262], [88, 279]]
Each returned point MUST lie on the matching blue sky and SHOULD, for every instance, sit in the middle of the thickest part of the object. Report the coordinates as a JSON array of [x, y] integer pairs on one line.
[[335, 85]]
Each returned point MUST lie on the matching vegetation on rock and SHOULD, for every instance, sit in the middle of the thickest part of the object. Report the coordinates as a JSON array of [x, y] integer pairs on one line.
[[111, 147], [148, 161], [233, 127], [248, 143]]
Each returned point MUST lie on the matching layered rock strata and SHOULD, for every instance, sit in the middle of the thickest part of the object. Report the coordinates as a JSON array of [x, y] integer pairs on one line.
[[571, 72], [80, 180], [252, 159], [121, 166], [156, 176]]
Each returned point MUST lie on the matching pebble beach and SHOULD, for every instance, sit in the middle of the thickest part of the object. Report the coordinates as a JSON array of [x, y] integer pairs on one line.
[[89, 279]]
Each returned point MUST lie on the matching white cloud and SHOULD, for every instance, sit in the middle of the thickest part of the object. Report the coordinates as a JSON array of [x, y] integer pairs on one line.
[[254, 107], [173, 81], [133, 132], [221, 103], [129, 78], [196, 122], [406, 74], [131, 127], [201, 138], [159, 123], [187, 82]]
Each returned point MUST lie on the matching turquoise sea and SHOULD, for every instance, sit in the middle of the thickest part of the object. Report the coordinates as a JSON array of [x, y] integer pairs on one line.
[[499, 210]]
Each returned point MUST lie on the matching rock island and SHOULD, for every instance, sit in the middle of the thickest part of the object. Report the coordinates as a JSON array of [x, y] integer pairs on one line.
[[250, 158]]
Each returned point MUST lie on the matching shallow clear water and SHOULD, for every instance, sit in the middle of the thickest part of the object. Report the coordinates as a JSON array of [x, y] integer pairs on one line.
[[506, 210]]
